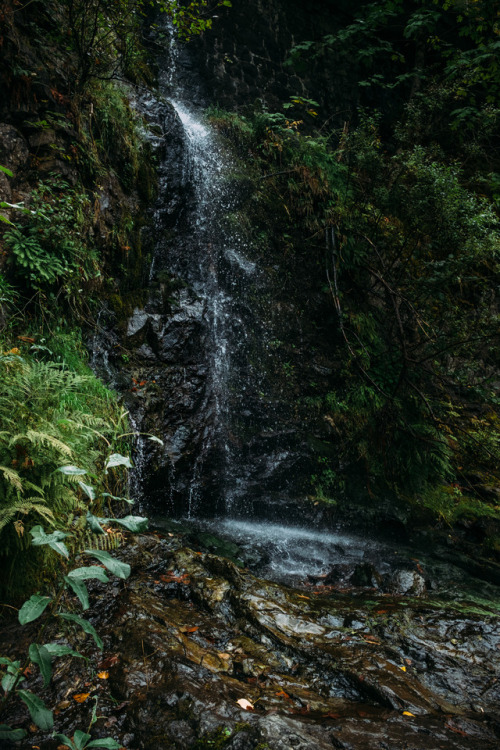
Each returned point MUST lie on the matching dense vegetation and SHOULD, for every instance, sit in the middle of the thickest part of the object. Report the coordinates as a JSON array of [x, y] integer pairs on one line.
[[70, 223], [396, 215]]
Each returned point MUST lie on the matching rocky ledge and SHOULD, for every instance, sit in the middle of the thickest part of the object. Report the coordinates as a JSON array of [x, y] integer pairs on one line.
[[198, 652]]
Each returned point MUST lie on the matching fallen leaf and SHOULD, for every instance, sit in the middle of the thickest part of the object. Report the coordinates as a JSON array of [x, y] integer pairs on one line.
[[103, 675], [283, 694], [189, 630], [456, 730], [371, 639], [403, 669], [224, 656], [245, 704], [81, 697], [63, 704], [109, 661], [407, 713], [301, 596]]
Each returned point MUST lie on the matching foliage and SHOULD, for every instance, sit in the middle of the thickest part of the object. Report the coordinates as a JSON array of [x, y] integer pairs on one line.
[[51, 417], [71, 581], [48, 246], [106, 37], [411, 253]]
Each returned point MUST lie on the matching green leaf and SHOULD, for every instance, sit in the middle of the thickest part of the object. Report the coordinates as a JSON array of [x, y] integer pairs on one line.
[[80, 590], [106, 742], [72, 471], [80, 739], [94, 524], [39, 655], [116, 459], [6, 171], [120, 569], [33, 608], [132, 523], [65, 740], [155, 439], [57, 649], [84, 624], [40, 538], [12, 677], [7, 733], [92, 571], [123, 499], [39, 712], [88, 489]]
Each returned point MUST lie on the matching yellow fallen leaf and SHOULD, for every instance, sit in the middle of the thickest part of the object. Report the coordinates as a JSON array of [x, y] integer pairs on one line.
[[81, 697], [245, 704], [407, 713], [103, 675], [403, 669]]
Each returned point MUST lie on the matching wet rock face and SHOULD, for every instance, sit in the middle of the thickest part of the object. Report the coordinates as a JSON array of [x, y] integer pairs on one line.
[[191, 640]]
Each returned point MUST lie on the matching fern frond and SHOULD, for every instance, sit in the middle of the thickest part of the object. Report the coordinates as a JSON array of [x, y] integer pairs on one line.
[[30, 505], [42, 438], [12, 477]]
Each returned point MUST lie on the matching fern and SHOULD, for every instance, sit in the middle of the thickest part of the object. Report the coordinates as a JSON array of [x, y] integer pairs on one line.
[[25, 507], [12, 477]]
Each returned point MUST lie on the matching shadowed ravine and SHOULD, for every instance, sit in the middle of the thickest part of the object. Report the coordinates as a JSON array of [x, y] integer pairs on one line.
[[333, 639]]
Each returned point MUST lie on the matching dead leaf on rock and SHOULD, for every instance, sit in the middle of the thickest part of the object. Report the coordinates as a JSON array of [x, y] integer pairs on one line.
[[103, 675], [407, 713], [81, 697], [245, 704], [189, 630]]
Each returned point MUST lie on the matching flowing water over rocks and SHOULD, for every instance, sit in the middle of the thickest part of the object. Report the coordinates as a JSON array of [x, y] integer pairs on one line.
[[334, 640], [191, 634]]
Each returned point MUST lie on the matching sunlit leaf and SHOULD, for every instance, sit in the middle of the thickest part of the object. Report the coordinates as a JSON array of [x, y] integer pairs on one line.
[[116, 459]]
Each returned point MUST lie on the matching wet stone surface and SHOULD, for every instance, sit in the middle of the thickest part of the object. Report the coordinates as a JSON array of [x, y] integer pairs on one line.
[[190, 634]]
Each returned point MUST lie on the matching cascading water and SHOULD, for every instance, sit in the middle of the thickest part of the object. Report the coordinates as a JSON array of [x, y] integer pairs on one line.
[[200, 336]]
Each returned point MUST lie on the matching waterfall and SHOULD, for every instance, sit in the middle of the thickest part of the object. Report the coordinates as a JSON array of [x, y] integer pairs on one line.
[[205, 336]]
